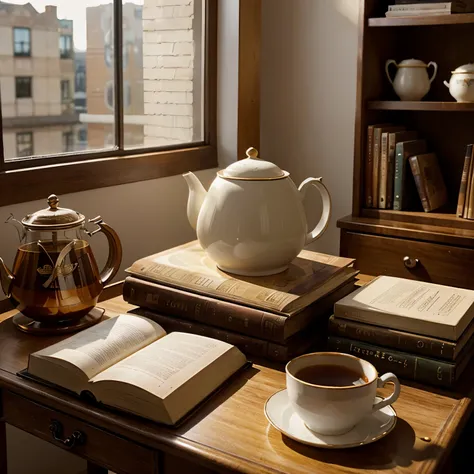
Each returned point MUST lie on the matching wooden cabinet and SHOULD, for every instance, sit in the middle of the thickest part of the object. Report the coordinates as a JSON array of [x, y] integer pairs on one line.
[[381, 238]]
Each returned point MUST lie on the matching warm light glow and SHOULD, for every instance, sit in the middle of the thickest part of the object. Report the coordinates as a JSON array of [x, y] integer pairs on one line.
[[348, 8]]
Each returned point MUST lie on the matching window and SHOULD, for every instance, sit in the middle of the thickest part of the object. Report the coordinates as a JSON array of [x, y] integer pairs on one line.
[[159, 110], [24, 144], [65, 47], [21, 42], [23, 87], [68, 141], [65, 91]]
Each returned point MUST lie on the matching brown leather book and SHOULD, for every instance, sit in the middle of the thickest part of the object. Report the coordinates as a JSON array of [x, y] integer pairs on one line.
[[429, 181], [227, 315], [464, 179], [314, 337], [401, 340], [465, 211]]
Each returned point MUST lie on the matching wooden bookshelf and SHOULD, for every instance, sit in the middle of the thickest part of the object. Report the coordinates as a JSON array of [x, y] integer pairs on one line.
[[441, 242], [455, 19]]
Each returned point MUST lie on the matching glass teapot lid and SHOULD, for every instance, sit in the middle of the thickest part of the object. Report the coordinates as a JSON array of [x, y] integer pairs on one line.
[[253, 168], [53, 217]]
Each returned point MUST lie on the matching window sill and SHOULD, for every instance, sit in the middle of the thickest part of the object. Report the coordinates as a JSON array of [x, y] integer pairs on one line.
[[36, 183]]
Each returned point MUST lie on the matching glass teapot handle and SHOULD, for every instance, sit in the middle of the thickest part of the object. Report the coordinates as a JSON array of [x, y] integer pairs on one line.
[[326, 214], [115, 249]]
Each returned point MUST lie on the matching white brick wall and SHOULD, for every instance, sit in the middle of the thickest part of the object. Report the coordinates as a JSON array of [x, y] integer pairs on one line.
[[168, 61]]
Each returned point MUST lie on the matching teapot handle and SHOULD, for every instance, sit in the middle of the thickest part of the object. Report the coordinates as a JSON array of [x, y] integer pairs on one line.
[[387, 71], [435, 67], [115, 249], [326, 214]]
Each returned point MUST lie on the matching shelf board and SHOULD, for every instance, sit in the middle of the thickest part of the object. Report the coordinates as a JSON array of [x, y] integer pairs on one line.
[[423, 106], [454, 19]]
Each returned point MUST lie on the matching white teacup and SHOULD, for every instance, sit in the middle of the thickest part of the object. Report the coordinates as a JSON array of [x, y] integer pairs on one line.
[[335, 410]]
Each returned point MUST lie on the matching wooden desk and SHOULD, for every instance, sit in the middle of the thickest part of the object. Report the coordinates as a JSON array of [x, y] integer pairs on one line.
[[230, 434]]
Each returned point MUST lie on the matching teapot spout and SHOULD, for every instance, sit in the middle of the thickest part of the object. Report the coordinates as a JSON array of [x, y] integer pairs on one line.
[[196, 197], [6, 278]]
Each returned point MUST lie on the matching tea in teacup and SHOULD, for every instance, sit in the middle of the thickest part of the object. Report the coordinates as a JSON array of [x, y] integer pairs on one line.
[[331, 376]]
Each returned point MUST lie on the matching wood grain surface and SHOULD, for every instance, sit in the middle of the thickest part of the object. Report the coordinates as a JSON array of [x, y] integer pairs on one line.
[[231, 433]]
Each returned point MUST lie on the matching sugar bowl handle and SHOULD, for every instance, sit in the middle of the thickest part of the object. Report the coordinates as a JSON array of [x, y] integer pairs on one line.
[[114, 259], [387, 65], [326, 213]]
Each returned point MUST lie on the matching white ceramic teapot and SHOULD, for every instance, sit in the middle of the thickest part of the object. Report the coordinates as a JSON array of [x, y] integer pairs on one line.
[[252, 221], [461, 84], [411, 81]]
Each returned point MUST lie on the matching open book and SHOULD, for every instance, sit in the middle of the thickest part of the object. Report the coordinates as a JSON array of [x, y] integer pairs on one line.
[[310, 276], [130, 363]]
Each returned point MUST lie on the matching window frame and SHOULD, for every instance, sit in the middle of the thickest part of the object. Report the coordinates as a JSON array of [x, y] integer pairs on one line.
[[68, 98], [66, 53], [17, 88], [21, 54], [24, 180]]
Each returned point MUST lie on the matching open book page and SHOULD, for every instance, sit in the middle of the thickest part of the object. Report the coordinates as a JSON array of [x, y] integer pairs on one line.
[[189, 267], [158, 372], [95, 349]]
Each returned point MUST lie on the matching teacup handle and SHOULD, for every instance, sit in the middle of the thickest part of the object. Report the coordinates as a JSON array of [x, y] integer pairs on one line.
[[435, 67], [326, 214], [387, 64], [381, 381]]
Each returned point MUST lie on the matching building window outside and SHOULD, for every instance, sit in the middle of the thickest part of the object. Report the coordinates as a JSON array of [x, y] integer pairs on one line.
[[110, 95], [68, 141], [23, 87], [22, 42], [82, 135], [65, 91], [24, 144], [65, 47]]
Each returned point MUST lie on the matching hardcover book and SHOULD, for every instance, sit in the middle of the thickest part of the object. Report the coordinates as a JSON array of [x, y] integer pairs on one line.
[[234, 317], [456, 6], [310, 277], [409, 305], [404, 184], [429, 181], [469, 189], [130, 363], [464, 180]]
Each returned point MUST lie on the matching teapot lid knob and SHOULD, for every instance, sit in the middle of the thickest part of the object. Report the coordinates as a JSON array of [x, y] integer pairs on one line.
[[53, 201], [252, 153]]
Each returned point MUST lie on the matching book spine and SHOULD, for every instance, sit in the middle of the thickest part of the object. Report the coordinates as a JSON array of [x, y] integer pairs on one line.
[[376, 166], [390, 169], [420, 183], [194, 307], [250, 346], [403, 341], [398, 179], [383, 172], [421, 6], [369, 168], [468, 189], [417, 13], [464, 177], [412, 367]]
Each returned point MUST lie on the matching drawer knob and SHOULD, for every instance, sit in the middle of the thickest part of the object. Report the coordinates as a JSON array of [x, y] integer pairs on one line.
[[75, 439], [410, 262]]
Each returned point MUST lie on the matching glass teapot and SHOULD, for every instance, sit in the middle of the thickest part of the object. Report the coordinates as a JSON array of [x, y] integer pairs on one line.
[[55, 278]]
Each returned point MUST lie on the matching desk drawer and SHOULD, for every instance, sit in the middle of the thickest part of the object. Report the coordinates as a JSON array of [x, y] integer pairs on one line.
[[443, 264], [98, 446]]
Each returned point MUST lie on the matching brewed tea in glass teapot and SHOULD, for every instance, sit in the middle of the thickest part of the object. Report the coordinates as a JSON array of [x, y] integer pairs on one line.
[[55, 281]]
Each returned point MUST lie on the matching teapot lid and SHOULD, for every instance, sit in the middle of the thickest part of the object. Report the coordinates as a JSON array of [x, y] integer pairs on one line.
[[464, 69], [253, 168], [53, 218], [412, 63]]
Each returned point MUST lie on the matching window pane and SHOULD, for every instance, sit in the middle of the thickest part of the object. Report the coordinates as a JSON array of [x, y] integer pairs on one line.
[[43, 79], [164, 51]]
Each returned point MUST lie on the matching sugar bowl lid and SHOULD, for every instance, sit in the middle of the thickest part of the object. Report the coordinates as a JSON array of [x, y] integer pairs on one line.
[[464, 69], [253, 168], [412, 63], [53, 217]]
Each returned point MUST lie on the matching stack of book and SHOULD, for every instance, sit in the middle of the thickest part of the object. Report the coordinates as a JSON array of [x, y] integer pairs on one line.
[[400, 174], [429, 8], [465, 207], [276, 317], [419, 331]]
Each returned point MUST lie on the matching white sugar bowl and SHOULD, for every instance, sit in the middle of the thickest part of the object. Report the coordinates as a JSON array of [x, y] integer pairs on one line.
[[461, 84]]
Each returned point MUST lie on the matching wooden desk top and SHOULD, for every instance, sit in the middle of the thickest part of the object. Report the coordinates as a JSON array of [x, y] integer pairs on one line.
[[231, 433]]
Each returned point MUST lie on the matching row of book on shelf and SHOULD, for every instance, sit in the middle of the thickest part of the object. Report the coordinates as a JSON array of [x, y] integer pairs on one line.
[[404, 8], [419, 331], [400, 173]]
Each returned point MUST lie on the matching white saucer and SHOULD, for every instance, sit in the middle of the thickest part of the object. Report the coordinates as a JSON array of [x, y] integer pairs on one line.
[[372, 428]]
